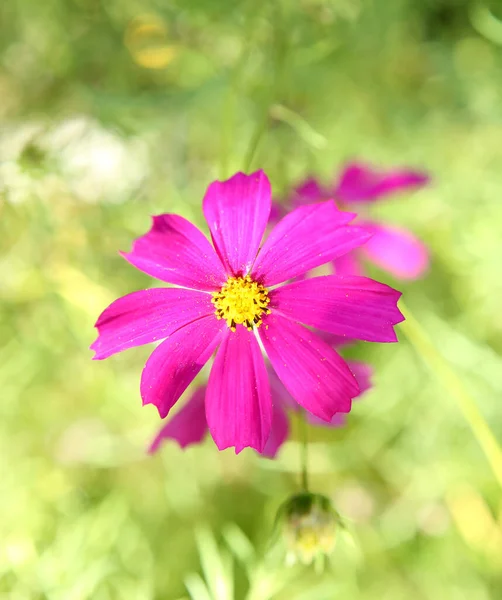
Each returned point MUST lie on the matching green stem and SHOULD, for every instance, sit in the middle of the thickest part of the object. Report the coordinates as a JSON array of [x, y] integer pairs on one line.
[[278, 54], [451, 382], [236, 81], [261, 128], [304, 452], [226, 133]]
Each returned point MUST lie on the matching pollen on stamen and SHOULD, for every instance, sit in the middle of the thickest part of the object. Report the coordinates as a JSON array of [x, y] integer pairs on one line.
[[241, 301]]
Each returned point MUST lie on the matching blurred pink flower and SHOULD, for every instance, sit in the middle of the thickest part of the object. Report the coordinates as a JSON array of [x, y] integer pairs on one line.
[[283, 402], [189, 425], [391, 248], [228, 299]]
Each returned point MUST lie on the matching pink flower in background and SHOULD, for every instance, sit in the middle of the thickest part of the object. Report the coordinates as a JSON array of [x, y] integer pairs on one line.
[[391, 248], [283, 402], [189, 424], [228, 299]]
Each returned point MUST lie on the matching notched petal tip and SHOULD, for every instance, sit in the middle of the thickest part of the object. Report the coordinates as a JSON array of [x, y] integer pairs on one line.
[[241, 179], [148, 316], [96, 356], [238, 400], [174, 364], [343, 305], [398, 316], [361, 182], [97, 349], [258, 447], [163, 412], [345, 410], [222, 446], [311, 371]]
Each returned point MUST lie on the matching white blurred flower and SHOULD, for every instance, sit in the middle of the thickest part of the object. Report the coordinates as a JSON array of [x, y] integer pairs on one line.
[[97, 163], [90, 162]]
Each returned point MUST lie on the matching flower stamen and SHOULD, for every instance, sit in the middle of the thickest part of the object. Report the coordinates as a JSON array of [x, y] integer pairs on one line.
[[241, 301]]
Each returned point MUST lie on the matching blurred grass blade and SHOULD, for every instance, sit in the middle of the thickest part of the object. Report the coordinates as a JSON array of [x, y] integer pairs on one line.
[[217, 569], [485, 23], [450, 380], [239, 544], [302, 128], [196, 587]]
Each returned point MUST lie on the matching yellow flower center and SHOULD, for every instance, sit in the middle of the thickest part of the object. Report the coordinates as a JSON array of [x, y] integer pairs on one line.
[[241, 301]]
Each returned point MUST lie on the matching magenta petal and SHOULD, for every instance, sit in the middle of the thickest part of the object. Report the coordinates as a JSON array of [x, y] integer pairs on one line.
[[277, 212], [361, 183], [348, 264], [397, 251], [279, 432], [336, 341], [280, 395], [311, 371], [338, 420], [147, 316], [237, 211], [188, 426], [238, 401], [309, 191], [306, 238], [354, 307], [173, 365], [176, 251], [363, 372]]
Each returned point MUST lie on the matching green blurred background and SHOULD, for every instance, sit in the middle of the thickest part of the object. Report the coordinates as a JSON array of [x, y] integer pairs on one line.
[[113, 110]]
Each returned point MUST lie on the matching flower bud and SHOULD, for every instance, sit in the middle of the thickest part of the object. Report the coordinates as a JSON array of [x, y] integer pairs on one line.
[[308, 523]]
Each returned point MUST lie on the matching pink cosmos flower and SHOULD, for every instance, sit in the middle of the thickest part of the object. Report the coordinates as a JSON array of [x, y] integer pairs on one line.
[[228, 301], [189, 424], [391, 248]]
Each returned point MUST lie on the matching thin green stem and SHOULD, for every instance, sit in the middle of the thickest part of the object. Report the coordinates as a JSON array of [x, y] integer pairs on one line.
[[261, 128], [235, 84], [226, 132], [304, 453], [451, 382], [278, 54]]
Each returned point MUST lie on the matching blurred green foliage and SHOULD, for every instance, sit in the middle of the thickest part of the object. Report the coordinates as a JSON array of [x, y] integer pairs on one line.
[[113, 110]]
